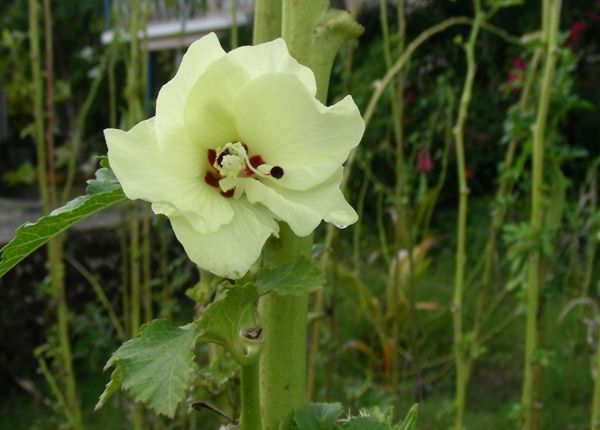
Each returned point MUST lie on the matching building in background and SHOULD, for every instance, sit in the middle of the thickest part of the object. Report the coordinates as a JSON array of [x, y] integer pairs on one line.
[[176, 24]]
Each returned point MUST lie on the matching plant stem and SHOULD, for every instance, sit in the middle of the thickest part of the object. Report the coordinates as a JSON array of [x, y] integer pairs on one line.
[[134, 115], [305, 25], [50, 111], [250, 387], [47, 188], [394, 70], [315, 334], [267, 20], [267, 27], [146, 255], [283, 357], [308, 24], [505, 188], [234, 24], [400, 227], [403, 59], [102, 298], [79, 124], [459, 279], [551, 21], [134, 299], [595, 419], [37, 101], [330, 235]]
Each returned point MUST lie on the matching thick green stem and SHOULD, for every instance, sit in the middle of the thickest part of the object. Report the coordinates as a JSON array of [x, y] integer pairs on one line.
[[460, 353], [306, 24], [267, 20], [283, 319], [550, 24], [250, 392]]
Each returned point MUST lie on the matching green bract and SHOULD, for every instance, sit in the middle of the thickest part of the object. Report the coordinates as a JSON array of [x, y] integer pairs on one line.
[[239, 142]]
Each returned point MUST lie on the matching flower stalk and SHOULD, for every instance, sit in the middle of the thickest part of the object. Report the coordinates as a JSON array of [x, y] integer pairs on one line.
[[44, 145], [250, 397], [530, 396], [460, 350]]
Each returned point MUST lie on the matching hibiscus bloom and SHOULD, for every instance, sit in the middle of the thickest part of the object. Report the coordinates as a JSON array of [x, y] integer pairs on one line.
[[238, 143]]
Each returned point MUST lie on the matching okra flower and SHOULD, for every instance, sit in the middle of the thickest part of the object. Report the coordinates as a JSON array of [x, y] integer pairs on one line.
[[238, 143]]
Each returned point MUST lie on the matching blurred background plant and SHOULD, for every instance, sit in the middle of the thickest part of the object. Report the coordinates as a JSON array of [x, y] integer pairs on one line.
[[381, 330]]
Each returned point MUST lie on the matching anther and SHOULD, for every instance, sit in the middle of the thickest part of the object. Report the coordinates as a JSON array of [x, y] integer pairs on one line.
[[211, 180], [228, 193], [276, 172], [256, 160], [212, 156]]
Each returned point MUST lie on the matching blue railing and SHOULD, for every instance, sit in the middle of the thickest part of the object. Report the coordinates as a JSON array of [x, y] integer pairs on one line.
[[173, 10]]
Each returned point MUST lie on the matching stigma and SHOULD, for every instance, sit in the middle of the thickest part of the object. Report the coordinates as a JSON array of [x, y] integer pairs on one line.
[[233, 160]]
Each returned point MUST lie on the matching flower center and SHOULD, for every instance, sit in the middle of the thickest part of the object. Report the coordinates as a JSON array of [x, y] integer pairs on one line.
[[230, 160], [233, 160]]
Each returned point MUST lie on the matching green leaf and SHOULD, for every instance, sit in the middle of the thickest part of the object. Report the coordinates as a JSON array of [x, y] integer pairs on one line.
[[318, 416], [156, 367], [410, 421], [382, 415], [225, 319], [105, 181], [366, 423], [297, 277], [499, 4], [104, 191], [113, 385]]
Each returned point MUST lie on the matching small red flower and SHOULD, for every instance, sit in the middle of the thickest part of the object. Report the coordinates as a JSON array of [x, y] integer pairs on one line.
[[576, 28], [519, 63], [424, 162]]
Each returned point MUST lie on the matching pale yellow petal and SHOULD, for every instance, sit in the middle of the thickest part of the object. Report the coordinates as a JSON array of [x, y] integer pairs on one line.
[[173, 95], [234, 248], [280, 120], [303, 210], [148, 173]]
